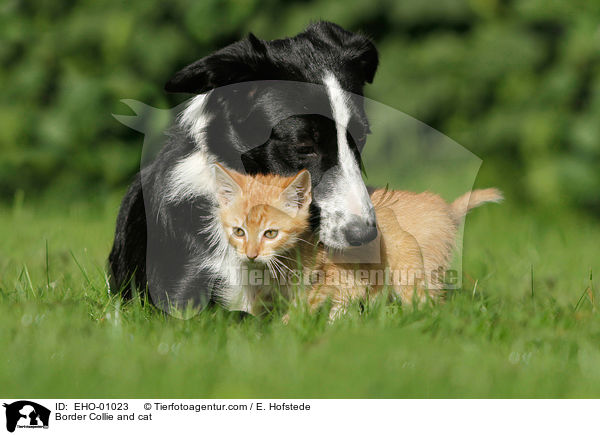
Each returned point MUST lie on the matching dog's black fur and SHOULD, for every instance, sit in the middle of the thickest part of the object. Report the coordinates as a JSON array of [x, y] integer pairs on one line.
[[253, 129]]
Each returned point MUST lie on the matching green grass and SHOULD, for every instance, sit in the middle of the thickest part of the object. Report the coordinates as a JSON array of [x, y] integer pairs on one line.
[[508, 333]]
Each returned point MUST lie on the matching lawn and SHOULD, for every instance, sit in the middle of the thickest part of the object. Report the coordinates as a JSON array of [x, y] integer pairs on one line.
[[524, 324]]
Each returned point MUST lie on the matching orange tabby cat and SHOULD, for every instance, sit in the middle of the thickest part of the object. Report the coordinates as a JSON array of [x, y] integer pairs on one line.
[[263, 217], [266, 218]]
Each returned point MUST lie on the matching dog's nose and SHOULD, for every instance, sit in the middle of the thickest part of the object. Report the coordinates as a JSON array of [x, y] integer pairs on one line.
[[359, 232]]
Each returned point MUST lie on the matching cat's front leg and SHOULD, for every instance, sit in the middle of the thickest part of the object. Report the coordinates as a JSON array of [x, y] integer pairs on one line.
[[337, 311], [319, 295]]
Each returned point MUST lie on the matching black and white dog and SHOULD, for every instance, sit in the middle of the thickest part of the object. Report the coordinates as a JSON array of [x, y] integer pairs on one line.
[[261, 107]]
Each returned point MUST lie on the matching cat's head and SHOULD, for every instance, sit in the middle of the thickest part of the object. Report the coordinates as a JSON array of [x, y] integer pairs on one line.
[[262, 215]]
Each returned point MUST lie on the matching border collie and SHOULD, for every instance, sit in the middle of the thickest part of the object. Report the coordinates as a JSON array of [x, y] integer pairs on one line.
[[261, 107]]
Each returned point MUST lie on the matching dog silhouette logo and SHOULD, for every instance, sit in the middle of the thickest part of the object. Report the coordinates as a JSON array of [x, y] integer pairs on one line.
[[26, 414]]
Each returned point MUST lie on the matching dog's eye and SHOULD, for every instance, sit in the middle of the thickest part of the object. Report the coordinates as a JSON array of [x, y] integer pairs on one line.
[[305, 148], [238, 232], [271, 234]]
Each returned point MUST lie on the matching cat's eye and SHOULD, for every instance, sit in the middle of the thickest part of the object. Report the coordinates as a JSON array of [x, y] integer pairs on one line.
[[271, 234], [238, 232]]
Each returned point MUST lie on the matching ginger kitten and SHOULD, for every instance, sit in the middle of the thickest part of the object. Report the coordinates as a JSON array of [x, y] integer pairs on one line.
[[263, 218], [266, 220]]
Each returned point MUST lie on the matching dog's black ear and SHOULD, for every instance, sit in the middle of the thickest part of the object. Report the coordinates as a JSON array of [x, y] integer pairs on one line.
[[239, 62], [368, 59], [358, 49]]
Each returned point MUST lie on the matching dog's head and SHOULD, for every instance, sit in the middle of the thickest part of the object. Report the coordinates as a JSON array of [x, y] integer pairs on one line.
[[299, 106]]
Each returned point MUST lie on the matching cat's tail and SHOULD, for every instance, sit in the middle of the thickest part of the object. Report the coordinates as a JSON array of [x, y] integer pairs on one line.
[[470, 200]]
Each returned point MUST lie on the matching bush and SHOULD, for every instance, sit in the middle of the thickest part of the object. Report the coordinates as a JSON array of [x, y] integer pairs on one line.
[[517, 83]]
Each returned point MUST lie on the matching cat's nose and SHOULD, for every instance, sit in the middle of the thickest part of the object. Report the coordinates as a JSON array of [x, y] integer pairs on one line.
[[252, 256], [359, 232]]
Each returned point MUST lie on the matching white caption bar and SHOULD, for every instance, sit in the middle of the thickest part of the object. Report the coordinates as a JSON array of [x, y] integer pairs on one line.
[[267, 416]]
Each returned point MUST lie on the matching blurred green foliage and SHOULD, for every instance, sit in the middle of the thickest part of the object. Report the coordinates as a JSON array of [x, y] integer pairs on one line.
[[516, 82]]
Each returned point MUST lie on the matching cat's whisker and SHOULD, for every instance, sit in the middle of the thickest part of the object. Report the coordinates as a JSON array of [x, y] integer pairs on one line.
[[282, 264], [295, 273], [276, 266], [271, 263], [274, 275], [304, 240], [272, 271], [284, 257]]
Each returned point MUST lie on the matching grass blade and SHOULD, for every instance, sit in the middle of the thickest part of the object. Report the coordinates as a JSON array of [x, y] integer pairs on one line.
[[47, 267], [29, 281]]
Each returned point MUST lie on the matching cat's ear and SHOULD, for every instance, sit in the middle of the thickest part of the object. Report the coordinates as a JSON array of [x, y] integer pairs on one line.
[[297, 193], [227, 187]]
